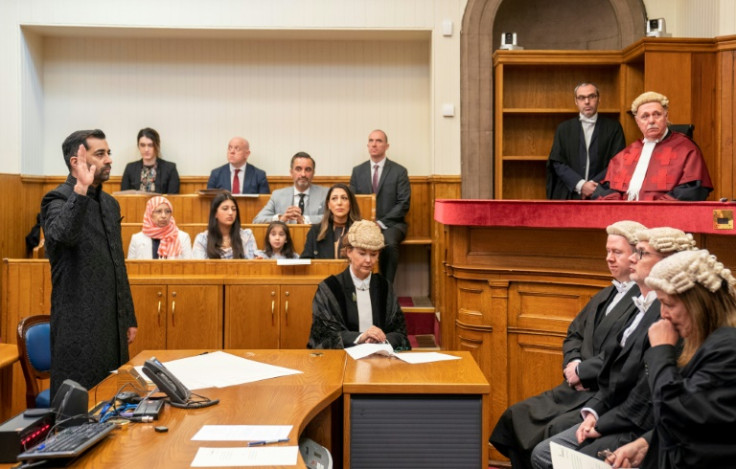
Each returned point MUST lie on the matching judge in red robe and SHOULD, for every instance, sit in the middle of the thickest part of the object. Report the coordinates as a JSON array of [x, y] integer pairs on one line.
[[664, 165]]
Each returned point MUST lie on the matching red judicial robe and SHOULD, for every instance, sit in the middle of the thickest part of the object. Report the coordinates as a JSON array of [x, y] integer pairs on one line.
[[676, 171]]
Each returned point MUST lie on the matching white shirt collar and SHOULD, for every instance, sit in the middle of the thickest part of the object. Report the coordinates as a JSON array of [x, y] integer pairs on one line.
[[380, 164], [592, 119], [657, 140], [360, 284]]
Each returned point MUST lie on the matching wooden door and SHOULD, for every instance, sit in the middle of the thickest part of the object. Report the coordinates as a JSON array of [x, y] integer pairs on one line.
[[150, 311], [296, 318], [195, 316], [252, 316]]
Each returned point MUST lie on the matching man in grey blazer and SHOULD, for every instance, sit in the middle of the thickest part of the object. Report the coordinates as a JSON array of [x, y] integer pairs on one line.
[[302, 203], [390, 182]]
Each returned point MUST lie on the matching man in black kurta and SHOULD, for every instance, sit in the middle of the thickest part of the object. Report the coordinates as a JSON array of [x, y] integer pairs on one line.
[[528, 422], [92, 316], [582, 148]]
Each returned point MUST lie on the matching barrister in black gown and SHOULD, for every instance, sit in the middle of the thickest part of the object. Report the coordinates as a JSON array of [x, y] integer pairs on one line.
[[571, 154], [526, 423], [621, 410], [694, 396], [358, 306]]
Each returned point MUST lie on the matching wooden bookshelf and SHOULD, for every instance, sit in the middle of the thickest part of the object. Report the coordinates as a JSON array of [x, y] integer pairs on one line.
[[534, 94]]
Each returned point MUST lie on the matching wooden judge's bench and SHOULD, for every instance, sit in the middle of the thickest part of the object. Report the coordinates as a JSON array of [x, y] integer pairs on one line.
[[517, 272]]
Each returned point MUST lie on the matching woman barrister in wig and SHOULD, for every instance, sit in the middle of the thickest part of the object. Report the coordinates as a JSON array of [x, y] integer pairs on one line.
[[693, 395], [358, 306]]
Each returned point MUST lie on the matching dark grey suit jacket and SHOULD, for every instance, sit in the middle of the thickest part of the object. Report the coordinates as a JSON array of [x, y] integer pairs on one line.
[[394, 192], [167, 179]]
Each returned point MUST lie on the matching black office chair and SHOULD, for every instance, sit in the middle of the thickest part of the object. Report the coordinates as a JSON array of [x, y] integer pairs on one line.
[[686, 129], [34, 351]]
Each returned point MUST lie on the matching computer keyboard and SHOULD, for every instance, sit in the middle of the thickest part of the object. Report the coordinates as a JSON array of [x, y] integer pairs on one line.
[[69, 442]]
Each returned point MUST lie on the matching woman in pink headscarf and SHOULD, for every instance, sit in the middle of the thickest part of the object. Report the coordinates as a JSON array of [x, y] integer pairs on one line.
[[160, 238]]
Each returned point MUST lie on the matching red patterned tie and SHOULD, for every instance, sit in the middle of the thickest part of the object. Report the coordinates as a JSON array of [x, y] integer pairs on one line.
[[375, 179], [236, 183]]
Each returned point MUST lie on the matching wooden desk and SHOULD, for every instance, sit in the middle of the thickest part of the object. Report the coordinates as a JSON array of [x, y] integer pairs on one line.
[[289, 400], [416, 412], [310, 401], [8, 356]]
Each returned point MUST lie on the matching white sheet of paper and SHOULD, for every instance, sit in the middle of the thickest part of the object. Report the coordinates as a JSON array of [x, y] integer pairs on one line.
[[262, 456], [566, 458], [293, 261], [242, 432], [425, 357], [220, 369], [363, 350]]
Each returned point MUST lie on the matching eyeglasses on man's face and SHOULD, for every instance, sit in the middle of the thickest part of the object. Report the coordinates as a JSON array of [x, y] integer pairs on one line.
[[589, 97]]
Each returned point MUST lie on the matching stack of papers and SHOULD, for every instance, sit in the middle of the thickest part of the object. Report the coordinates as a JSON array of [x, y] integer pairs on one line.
[[364, 350], [245, 456]]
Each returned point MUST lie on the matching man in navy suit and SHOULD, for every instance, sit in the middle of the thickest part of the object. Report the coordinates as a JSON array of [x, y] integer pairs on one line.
[[238, 176], [390, 182]]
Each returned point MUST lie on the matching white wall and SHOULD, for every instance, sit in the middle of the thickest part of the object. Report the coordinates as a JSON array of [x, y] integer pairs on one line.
[[695, 18], [32, 83], [322, 97], [310, 75]]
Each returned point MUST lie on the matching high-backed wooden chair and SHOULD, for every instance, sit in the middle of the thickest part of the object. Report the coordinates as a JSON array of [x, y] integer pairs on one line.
[[34, 350]]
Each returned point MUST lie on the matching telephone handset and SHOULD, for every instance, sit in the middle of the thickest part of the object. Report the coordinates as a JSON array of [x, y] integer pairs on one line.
[[166, 382]]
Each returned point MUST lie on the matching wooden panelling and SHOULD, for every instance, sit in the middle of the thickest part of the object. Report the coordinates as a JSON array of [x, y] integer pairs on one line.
[[26, 291], [179, 303], [473, 304], [546, 307], [575, 250], [17, 215], [725, 175], [535, 361]]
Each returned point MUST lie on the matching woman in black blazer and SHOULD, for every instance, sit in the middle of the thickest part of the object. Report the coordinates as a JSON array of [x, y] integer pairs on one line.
[[150, 173], [324, 239]]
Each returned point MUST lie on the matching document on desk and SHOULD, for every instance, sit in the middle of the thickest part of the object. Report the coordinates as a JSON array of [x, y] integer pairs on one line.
[[293, 261], [263, 456], [364, 350], [221, 369], [242, 432], [566, 458], [425, 357]]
